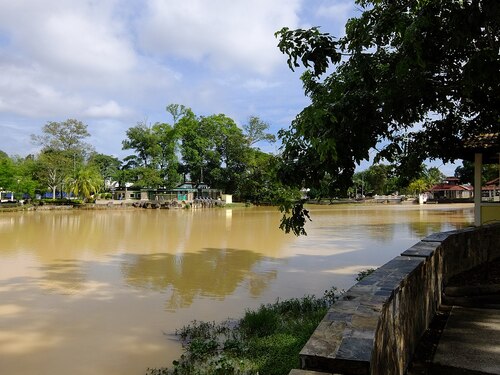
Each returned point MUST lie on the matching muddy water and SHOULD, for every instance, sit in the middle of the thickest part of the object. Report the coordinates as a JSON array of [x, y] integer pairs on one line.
[[101, 292]]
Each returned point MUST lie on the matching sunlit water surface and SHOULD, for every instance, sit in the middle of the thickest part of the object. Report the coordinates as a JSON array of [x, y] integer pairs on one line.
[[102, 292]]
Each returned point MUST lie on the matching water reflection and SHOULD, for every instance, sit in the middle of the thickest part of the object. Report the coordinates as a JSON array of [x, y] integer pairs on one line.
[[61, 235], [384, 224], [63, 277], [211, 273]]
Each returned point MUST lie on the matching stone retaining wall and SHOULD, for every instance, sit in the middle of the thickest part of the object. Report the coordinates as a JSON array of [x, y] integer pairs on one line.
[[375, 327]]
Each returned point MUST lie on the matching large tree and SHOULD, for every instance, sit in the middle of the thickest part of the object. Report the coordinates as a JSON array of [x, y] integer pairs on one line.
[[214, 150], [143, 140], [466, 172], [25, 177], [64, 151], [410, 79], [68, 136], [53, 167], [155, 161], [234, 153], [7, 172], [259, 183], [19, 175]]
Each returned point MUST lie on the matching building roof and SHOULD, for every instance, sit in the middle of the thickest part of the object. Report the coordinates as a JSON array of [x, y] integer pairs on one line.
[[493, 182], [450, 187], [489, 187]]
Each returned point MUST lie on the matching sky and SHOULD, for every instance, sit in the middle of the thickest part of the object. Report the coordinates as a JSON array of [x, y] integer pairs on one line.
[[115, 63]]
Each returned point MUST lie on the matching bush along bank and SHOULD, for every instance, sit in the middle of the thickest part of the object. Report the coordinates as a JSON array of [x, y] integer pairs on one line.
[[265, 341], [39, 203]]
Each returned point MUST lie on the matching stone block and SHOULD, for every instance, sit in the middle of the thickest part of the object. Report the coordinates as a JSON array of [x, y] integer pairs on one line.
[[422, 249]]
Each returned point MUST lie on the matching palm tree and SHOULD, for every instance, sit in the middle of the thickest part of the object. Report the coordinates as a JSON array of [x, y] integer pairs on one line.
[[86, 182], [418, 186]]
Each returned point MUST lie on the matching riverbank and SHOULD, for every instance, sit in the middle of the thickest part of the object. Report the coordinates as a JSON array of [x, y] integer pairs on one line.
[[109, 204], [106, 204]]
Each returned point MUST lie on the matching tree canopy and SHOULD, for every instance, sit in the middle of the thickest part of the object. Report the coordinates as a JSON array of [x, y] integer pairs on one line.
[[255, 131], [68, 136], [213, 149], [210, 150], [155, 161], [63, 151], [410, 79]]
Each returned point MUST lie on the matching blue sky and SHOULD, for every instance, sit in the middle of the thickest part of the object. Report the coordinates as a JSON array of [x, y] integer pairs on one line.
[[112, 64]]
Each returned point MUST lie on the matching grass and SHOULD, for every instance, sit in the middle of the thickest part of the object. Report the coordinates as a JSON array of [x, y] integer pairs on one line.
[[265, 341]]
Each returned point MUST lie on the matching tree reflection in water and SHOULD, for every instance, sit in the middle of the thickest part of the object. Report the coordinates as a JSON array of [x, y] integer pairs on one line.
[[214, 273]]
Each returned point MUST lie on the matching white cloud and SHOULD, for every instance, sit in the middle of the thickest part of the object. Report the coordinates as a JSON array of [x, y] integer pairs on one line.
[[15, 137], [109, 109], [224, 34], [24, 92], [63, 58], [259, 84], [72, 37]]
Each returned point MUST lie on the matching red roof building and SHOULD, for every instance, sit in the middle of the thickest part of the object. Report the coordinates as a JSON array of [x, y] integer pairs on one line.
[[450, 189], [491, 190]]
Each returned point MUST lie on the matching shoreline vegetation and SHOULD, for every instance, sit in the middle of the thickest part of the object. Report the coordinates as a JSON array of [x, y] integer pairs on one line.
[[266, 340], [67, 204]]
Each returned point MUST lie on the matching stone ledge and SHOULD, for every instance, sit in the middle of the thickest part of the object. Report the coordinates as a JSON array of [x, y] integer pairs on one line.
[[442, 236], [422, 249], [344, 340]]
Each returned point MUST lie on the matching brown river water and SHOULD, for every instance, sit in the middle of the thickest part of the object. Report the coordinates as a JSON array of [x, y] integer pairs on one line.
[[102, 292]]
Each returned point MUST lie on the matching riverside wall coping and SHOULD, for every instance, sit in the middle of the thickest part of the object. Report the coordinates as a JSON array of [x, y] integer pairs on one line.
[[375, 327]]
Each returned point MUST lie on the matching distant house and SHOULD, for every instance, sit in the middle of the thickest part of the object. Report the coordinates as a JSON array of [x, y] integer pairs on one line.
[[125, 193], [451, 189], [6, 196], [185, 192], [491, 190]]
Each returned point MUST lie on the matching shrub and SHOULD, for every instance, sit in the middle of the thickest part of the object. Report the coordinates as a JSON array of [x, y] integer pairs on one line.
[[61, 202], [265, 341], [364, 273]]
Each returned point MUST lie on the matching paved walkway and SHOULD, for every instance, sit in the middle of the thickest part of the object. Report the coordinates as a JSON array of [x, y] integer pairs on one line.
[[470, 343]]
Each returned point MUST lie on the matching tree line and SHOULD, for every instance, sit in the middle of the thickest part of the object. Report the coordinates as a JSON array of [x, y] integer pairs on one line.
[[211, 150], [202, 149]]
